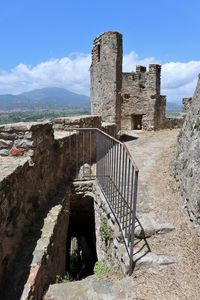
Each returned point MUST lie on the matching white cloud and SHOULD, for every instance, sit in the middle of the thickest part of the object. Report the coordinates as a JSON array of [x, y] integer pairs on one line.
[[132, 59], [69, 72], [179, 79], [72, 72]]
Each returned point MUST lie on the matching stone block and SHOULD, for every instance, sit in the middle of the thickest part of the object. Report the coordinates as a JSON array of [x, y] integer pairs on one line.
[[23, 143], [8, 136], [4, 152], [17, 152], [5, 144]]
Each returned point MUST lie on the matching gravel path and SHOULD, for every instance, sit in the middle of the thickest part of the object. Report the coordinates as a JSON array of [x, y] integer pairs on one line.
[[158, 195]]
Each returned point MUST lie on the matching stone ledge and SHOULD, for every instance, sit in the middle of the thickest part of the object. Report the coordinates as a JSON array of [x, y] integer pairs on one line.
[[9, 165], [22, 126], [18, 138], [51, 242], [84, 121]]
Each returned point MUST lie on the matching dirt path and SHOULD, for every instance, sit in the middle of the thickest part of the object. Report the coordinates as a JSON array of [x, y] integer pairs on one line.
[[158, 195]]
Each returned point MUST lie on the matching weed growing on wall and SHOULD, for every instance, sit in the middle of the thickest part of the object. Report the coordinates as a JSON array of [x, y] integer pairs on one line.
[[60, 279], [105, 231], [101, 269]]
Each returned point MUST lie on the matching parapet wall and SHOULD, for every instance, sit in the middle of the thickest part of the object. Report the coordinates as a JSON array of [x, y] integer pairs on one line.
[[27, 185], [20, 139], [170, 123], [87, 121]]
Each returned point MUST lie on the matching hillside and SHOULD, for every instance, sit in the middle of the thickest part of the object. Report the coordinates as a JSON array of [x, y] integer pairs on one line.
[[45, 98], [54, 98]]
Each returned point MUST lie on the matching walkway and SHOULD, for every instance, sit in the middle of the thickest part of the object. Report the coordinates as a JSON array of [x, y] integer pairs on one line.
[[159, 197]]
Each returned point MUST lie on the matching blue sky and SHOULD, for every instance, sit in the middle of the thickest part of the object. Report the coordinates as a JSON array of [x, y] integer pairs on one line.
[[49, 42]]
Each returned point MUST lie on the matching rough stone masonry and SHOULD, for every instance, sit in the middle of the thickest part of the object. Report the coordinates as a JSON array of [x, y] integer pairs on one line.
[[187, 169], [130, 100]]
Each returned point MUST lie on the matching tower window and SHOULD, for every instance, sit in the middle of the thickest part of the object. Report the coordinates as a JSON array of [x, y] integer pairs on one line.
[[98, 52]]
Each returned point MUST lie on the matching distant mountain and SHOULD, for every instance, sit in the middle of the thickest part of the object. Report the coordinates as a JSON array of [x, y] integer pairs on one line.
[[45, 98], [54, 98], [174, 107]]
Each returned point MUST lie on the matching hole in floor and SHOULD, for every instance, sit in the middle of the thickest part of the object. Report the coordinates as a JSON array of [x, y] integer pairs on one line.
[[81, 245]]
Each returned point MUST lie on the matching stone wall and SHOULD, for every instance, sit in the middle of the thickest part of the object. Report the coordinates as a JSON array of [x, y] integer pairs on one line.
[[28, 182], [21, 139], [141, 99], [187, 102], [187, 170], [109, 242], [110, 246], [88, 121], [170, 123], [49, 255], [106, 77], [25, 188]]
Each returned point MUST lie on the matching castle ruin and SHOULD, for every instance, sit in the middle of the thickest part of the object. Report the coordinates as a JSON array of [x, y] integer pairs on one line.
[[130, 100]]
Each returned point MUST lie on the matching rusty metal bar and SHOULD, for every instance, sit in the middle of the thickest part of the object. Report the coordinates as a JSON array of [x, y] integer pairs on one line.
[[133, 211]]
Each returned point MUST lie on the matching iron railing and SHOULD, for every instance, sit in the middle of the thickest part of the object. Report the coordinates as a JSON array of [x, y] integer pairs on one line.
[[117, 176]]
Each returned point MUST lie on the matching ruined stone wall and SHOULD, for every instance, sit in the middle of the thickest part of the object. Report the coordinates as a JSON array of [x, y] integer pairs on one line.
[[124, 98], [84, 121], [109, 241], [186, 104], [29, 182], [162, 110], [141, 96], [49, 255], [110, 246], [26, 187], [170, 123], [187, 170], [106, 77], [133, 89], [21, 138], [87, 121]]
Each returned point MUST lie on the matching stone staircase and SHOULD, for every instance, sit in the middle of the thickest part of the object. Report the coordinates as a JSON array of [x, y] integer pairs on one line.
[[93, 288]]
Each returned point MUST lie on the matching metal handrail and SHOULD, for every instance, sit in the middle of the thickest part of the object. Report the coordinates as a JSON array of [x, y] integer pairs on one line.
[[117, 176]]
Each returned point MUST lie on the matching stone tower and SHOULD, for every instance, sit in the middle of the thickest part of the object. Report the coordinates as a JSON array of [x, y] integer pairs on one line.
[[130, 100], [106, 77]]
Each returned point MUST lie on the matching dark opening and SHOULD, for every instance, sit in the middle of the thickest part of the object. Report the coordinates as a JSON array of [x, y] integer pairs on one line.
[[81, 245], [136, 122], [127, 138], [99, 52]]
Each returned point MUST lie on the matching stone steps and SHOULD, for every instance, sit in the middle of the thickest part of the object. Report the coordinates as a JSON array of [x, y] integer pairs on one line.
[[92, 288]]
